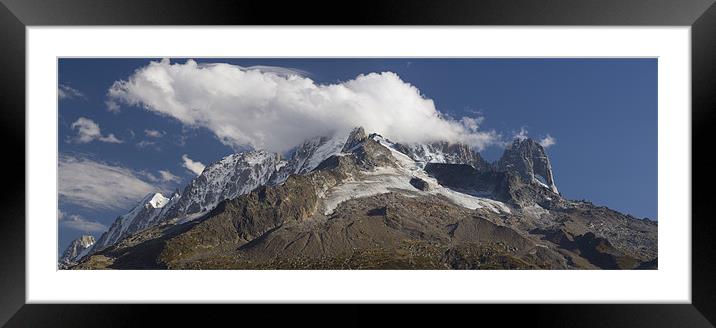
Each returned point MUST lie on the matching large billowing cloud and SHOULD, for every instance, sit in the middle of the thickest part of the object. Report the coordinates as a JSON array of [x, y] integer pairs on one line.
[[277, 110]]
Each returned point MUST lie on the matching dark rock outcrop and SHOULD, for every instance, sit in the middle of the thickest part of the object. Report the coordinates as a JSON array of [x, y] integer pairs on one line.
[[420, 184], [355, 139]]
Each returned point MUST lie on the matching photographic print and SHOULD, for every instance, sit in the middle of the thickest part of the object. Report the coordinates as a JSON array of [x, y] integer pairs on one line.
[[357, 163]]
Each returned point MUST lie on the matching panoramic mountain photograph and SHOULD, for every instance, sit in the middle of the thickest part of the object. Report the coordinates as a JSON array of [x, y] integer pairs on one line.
[[357, 163]]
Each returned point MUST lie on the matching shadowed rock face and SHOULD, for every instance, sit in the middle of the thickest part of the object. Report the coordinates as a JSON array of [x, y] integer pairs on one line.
[[355, 139], [529, 159], [508, 187], [466, 177]]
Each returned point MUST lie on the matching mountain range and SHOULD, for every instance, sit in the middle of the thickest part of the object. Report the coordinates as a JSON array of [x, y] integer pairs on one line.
[[354, 200]]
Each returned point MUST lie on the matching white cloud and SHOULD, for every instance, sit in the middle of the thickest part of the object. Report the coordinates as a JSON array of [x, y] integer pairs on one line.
[[88, 131], [67, 92], [77, 222], [169, 177], [189, 164], [265, 109], [153, 133], [97, 185], [548, 141]]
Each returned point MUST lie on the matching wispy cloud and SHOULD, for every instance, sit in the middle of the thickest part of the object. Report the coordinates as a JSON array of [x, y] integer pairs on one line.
[[68, 92], [96, 185], [153, 133], [77, 222], [222, 98], [168, 176], [472, 123], [193, 166], [88, 131], [112, 106], [146, 143]]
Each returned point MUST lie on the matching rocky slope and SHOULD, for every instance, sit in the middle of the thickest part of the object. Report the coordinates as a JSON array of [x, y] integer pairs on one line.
[[360, 201]]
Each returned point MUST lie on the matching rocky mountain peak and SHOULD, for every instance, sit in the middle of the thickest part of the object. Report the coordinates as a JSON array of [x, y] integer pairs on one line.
[[364, 151], [355, 138], [140, 216], [85, 240], [518, 143], [157, 200], [528, 158], [77, 249]]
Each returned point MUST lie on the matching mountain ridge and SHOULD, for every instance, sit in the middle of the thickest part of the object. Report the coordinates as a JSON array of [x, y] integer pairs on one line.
[[329, 177]]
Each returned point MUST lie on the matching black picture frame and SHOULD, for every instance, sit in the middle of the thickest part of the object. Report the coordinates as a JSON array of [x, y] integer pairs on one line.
[[700, 15]]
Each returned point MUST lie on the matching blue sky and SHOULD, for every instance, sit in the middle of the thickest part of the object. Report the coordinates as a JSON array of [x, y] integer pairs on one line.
[[602, 113]]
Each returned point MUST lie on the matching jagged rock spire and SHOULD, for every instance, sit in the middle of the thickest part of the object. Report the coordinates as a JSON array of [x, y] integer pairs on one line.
[[529, 159]]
